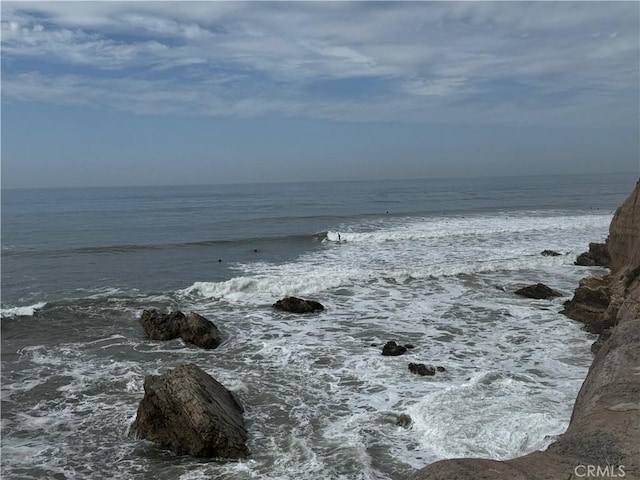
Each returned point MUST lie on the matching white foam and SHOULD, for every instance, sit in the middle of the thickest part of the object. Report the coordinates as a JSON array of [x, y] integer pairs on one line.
[[25, 311]]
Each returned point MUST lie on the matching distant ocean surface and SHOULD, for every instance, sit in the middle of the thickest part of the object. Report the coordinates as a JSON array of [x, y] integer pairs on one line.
[[428, 262]]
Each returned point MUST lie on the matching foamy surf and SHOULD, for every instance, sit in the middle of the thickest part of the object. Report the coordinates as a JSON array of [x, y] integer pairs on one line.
[[25, 311]]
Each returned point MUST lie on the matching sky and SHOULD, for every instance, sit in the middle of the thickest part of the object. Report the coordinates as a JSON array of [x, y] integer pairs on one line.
[[161, 93]]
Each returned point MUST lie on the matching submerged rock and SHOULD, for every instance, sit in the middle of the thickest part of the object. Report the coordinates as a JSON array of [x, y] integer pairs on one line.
[[193, 328], [538, 291], [550, 253], [404, 420], [422, 369], [298, 305], [392, 349], [597, 256], [189, 412]]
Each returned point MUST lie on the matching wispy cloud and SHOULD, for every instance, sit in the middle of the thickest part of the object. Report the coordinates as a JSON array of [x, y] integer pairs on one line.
[[531, 62]]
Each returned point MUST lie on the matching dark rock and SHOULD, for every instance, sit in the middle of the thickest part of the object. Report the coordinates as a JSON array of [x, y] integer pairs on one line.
[[200, 331], [403, 420], [440, 369], [422, 369], [538, 291], [189, 412], [409, 346], [590, 303], [550, 253], [597, 256], [602, 338], [193, 329], [392, 349], [298, 305]]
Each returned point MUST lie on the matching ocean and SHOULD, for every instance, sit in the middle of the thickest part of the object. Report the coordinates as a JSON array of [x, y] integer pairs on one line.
[[431, 262]]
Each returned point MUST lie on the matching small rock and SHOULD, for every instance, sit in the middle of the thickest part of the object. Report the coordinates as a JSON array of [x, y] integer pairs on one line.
[[298, 305], [403, 420], [422, 369], [550, 253], [409, 346], [392, 349], [440, 369], [538, 291]]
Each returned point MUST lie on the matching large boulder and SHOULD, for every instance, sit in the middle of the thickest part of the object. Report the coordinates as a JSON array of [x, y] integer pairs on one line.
[[298, 305], [597, 256], [192, 328], [189, 412], [538, 291]]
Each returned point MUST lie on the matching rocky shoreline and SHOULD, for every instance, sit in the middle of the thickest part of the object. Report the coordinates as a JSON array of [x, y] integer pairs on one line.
[[187, 411], [603, 437]]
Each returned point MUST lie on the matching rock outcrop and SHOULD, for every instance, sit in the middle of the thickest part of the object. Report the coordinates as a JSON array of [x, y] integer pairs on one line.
[[597, 256], [538, 291], [298, 305], [603, 438], [189, 412], [192, 328]]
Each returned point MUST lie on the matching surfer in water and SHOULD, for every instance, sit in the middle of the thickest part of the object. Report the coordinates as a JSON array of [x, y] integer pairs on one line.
[[339, 239]]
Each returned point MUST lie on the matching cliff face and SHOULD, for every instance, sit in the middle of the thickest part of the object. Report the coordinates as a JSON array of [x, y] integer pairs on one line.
[[624, 233], [604, 431]]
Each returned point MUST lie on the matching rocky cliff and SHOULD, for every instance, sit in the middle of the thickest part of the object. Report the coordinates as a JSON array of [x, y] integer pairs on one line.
[[603, 438]]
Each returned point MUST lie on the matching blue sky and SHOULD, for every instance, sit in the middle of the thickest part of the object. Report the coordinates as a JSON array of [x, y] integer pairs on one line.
[[153, 93]]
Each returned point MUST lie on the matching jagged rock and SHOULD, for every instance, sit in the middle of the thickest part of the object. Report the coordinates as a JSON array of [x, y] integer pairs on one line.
[[392, 349], [298, 305], [589, 304], [189, 412], [403, 420], [550, 253], [193, 328], [597, 256], [422, 369], [538, 291]]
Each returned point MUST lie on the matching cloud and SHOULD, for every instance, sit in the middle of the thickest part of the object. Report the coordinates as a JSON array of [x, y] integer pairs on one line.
[[444, 61]]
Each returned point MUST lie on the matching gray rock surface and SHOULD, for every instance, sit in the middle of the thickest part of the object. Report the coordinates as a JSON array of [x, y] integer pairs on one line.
[[188, 412]]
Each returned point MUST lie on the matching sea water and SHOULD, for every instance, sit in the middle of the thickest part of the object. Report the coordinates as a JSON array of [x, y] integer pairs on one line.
[[433, 263]]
